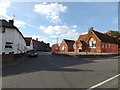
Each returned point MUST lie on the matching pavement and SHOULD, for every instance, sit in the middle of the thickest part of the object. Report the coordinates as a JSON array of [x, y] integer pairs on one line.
[[51, 71], [85, 53], [17, 59]]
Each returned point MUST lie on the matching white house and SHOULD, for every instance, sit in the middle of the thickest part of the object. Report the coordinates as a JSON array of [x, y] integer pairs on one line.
[[29, 43], [11, 39]]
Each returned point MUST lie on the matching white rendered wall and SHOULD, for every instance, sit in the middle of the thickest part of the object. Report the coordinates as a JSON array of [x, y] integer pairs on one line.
[[0, 40], [8, 36], [12, 35]]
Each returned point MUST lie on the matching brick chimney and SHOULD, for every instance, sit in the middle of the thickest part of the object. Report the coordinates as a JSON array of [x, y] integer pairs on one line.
[[109, 33], [11, 22], [36, 39]]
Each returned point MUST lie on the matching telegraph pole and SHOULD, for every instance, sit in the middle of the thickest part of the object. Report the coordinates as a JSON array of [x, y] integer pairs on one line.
[[13, 16], [57, 40], [57, 45]]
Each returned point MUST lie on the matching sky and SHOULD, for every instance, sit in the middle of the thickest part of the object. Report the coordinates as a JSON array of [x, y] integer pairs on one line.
[[48, 21]]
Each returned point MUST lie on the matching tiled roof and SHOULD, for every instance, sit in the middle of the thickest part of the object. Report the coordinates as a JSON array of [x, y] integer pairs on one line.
[[83, 37], [82, 42], [105, 38], [4, 23], [69, 42], [55, 45]]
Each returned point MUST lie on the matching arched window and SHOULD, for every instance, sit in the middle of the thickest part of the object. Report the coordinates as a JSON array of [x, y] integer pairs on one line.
[[103, 45], [63, 47], [92, 43], [106, 46], [79, 47]]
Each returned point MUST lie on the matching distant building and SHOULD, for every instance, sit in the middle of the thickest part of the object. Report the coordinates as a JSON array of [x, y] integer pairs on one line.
[[41, 46], [55, 48], [67, 45], [29, 43], [99, 43], [12, 40], [80, 45]]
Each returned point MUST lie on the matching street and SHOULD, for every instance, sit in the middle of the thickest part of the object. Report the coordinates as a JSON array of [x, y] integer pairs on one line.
[[51, 71]]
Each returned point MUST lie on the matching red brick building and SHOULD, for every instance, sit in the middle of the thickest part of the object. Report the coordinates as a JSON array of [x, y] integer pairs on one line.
[[67, 45], [80, 44], [40, 45], [55, 48], [97, 42]]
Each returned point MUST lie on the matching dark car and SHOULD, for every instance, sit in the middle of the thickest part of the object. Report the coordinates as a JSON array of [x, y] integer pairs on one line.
[[32, 53]]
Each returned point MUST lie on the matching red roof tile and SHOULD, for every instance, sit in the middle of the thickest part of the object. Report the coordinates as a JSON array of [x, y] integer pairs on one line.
[[83, 37]]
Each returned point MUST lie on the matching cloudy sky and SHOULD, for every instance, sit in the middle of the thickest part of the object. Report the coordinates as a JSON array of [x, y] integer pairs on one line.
[[62, 20]]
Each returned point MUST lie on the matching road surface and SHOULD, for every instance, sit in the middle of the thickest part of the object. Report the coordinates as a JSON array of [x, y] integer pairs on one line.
[[51, 71]]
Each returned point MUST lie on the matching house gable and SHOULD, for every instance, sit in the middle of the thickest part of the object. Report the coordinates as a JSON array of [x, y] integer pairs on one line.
[[28, 40], [67, 45], [92, 35], [82, 37], [63, 45]]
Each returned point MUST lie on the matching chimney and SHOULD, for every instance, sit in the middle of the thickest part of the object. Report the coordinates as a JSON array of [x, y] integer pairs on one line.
[[11, 22], [36, 39]]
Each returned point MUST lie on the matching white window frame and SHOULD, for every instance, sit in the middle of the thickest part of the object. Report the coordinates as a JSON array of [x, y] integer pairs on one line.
[[92, 43], [63, 47]]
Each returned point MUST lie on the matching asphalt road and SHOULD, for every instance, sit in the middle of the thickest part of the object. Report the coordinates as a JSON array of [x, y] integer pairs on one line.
[[50, 71]]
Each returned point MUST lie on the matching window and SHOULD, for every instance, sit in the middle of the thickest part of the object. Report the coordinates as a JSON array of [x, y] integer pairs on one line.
[[3, 31], [8, 45], [106, 46], [92, 43], [102, 45], [56, 47], [74, 46], [9, 42], [109, 45], [63, 48], [79, 47]]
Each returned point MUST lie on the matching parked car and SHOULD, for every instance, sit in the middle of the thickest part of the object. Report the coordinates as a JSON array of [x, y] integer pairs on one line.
[[32, 53]]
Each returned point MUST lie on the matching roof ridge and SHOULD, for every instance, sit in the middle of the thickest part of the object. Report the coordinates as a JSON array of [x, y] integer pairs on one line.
[[103, 34], [68, 39], [84, 34], [104, 38]]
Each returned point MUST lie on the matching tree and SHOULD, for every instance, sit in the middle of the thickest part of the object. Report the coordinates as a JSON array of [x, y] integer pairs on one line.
[[115, 33]]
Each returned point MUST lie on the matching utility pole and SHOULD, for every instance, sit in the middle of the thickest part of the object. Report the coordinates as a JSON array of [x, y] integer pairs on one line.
[[57, 45], [57, 40], [13, 16]]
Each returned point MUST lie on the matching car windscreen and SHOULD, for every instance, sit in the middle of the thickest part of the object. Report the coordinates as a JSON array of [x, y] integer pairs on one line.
[[33, 51]]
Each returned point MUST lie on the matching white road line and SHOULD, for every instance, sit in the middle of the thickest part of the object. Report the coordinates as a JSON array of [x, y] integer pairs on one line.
[[99, 84]]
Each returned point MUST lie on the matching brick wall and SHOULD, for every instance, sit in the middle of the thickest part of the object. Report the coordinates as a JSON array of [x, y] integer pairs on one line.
[[55, 48], [109, 48], [98, 43], [7, 58], [65, 45]]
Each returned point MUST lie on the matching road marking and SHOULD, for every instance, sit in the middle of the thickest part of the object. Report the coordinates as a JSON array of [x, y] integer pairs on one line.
[[99, 84]]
